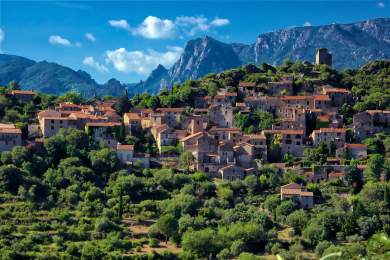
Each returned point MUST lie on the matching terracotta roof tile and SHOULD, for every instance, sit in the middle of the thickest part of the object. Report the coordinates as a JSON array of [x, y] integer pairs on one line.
[[22, 92], [125, 147], [247, 84]]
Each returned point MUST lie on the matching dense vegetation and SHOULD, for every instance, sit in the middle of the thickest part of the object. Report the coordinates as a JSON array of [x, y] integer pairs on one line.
[[71, 198]]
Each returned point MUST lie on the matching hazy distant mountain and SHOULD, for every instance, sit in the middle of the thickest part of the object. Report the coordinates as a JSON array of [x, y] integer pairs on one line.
[[53, 78], [157, 79], [352, 45]]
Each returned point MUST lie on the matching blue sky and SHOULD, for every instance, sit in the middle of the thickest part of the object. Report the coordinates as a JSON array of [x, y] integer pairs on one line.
[[127, 39]]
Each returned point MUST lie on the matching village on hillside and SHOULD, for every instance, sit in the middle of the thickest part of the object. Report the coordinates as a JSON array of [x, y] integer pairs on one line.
[[211, 137]]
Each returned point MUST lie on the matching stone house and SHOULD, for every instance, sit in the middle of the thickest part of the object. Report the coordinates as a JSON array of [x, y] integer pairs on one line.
[[10, 136], [298, 193], [190, 143], [338, 96], [322, 102], [50, 125], [106, 132], [280, 88], [231, 173], [246, 153], [127, 156], [125, 152], [327, 135], [370, 122], [67, 108], [264, 103], [298, 101], [225, 99], [248, 88], [290, 141], [132, 121], [166, 136], [291, 118], [23, 95], [225, 134], [225, 153], [169, 116], [259, 146], [196, 124], [221, 116], [354, 151], [81, 119]]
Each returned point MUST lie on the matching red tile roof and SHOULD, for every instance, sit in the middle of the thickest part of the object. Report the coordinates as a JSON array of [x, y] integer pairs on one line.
[[218, 129], [292, 185], [336, 90], [247, 84], [125, 147], [103, 124], [286, 131], [170, 109], [297, 97], [22, 92], [356, 145], [9, 129], [331, 130], [196, 136], [132, 116], [322, 98]]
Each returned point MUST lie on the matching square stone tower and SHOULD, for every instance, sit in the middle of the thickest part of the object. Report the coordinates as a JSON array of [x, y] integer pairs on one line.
[[323, 57]]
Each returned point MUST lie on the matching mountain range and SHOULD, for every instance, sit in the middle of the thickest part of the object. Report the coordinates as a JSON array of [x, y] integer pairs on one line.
[[351, 45], [52, 78]]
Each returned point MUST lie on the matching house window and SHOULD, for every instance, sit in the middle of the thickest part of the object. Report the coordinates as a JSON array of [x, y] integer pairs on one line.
[[52, 121], [52, 127]]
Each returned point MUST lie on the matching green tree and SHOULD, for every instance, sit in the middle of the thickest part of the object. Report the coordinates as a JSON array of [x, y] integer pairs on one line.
[[71, 97], [104, 162], [374, 167], [202, 243], [298, 220], [186, 160], [167, 225], [123, 104]]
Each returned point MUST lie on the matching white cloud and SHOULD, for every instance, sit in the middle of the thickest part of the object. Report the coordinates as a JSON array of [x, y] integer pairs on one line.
[[156, 28], [91, 62], [307, 24], [90, 37], [190, 25], [381, 5], [219, 22], [122, 24], [142, 62], [58, 40]]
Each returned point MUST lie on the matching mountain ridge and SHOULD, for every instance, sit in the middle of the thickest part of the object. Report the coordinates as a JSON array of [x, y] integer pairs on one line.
[[352, 45], [53, 78]]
